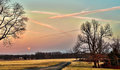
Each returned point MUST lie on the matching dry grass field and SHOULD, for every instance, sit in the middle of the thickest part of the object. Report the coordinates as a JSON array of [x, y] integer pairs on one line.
[[25, 64], [84, 66]]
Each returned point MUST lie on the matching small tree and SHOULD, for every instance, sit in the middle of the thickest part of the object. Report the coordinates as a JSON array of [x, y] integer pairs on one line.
[[92, 38], [12, 20]]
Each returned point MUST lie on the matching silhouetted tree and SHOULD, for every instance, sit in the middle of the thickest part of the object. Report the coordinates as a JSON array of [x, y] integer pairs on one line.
[[12, 20], [116, 45], [92, 39], [115, 53]]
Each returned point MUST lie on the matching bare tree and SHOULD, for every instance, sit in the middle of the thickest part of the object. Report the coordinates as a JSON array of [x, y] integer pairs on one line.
[[12, 20], [92, 38], [116, 45], [114, 55]]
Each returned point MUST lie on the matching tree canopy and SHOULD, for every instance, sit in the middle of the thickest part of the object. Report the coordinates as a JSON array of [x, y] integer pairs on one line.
[[92, 39], [12, 20]]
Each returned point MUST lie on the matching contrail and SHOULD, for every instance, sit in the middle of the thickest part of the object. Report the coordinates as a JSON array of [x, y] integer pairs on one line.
[[53, 13], [42, 24], [47, 26], [78, 17], [86, 12], [74, 30], [91, 18], [44, 12]]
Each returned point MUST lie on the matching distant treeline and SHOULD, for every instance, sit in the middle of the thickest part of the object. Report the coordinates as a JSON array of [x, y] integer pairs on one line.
[[39, 55]]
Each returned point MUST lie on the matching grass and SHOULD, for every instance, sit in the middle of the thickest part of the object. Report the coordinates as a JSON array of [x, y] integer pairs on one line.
[[84, 66], [25, 64]]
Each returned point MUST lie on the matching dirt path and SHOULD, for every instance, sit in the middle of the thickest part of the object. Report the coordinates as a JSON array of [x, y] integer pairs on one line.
[[55, 67]]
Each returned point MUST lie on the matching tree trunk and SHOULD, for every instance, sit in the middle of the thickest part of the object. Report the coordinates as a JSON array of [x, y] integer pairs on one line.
[[98, 65], [95, 64]]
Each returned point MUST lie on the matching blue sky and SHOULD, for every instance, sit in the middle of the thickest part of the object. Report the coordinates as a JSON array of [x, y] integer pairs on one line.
[[72, 6]]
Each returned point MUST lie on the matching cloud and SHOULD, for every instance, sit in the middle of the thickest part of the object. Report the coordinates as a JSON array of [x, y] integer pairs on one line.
[[86, 12], [43, 12]]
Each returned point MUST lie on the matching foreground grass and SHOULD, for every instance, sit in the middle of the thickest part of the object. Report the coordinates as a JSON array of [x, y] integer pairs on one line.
[[25, 64], [83, 66]]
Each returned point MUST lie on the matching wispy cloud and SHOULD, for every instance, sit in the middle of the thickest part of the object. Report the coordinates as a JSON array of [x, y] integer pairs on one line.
[[86, 12], [44, 12], [78, 17]]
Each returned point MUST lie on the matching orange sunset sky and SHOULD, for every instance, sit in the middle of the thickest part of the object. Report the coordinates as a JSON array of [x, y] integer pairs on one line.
[[54, 24]]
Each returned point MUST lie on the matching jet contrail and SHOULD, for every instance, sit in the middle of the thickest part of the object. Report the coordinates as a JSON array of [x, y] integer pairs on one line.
[[74, 30], [42, 24], [91, 18], [78, 17], [48, 26], [86, 12], [43, 12]]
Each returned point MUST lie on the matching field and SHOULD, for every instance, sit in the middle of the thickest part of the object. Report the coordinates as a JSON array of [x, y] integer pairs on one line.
[[84, 66], [28, 64], [25, 64]]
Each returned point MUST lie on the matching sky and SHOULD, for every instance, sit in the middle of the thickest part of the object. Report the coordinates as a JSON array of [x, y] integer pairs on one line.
[[54, 24]]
